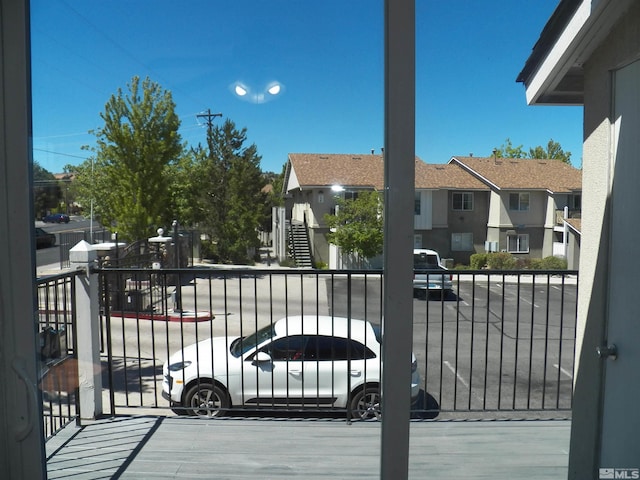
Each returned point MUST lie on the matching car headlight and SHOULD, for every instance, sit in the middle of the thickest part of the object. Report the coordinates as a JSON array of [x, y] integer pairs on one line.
[[175, 367]]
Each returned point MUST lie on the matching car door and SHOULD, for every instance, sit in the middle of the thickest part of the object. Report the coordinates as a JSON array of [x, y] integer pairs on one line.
[[284, 378], [342, 366]]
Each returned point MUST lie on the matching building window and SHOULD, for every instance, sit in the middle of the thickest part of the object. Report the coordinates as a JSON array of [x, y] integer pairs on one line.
[[575, 202], [417, 204], [462, 242], [462, 200], [350, 195], [519, 201], [518, 243]]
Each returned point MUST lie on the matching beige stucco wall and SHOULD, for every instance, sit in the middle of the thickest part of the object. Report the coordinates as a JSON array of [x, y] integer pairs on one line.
[[619, 49]]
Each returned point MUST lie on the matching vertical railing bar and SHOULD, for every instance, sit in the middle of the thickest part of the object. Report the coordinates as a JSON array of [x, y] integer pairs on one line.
[[153, 339], [441, 366], [107, 313], [316, 345], [517, 342], [271, 323], [349, 292], [546, 344], [164, 288], [241, 315], [226, 322], [473, 325], [427, 370], [457, 346], [486, 346], [533, 311], [255, 324], [302, 315], [139, 352], [502, 335], [74, 341]]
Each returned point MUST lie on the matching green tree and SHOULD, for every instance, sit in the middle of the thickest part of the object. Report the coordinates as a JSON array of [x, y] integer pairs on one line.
[[46, 191], [507, 150], [357, 226], [553, 150], [128, 177], [231, 195]]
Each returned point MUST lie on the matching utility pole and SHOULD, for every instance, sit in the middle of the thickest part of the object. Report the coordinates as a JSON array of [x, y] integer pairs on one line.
[[209, 116]]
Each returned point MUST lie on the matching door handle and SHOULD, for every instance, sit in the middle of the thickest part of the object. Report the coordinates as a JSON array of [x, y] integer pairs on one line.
[[607, 351], [356, 373], [295, 371]]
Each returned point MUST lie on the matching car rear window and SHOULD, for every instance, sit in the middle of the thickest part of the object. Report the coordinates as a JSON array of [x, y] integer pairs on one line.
[[424, 261]]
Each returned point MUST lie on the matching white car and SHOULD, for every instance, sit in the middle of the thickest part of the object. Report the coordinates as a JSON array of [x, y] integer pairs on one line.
[[301, 361]]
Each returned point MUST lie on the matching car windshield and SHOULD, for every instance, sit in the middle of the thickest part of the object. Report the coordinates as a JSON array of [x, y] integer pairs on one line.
[[424, 261], [243, 344]]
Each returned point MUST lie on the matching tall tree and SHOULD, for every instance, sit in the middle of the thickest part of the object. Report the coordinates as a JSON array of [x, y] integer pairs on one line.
[[553, 150], [46, 190], [507, 150], [357, 226], [128, 178], [232, 192]]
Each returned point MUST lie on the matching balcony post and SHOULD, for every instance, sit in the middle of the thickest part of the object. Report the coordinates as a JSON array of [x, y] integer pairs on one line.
[[82, 256]]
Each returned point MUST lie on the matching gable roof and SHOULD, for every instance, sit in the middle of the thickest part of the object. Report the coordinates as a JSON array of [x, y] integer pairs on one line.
[[554, 176], [352, 170], [308, 170]]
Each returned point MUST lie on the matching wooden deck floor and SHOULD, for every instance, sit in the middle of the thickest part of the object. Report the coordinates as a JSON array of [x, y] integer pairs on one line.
[[190, 448]]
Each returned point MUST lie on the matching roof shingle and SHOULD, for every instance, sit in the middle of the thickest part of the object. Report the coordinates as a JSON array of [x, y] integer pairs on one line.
[[524, 174]]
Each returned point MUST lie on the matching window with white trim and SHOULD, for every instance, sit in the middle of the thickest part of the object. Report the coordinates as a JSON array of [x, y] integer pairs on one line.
[[519, 201], [462, 201], [462, 242], [518, 243]]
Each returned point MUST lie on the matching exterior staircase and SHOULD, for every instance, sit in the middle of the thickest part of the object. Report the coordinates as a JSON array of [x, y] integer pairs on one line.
[[299, 245]]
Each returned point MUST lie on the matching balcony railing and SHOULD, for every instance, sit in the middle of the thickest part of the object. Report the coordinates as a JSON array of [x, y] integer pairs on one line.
[[499, 344], [58, 378]]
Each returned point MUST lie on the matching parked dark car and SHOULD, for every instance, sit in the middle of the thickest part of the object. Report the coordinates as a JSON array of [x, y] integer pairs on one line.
[[44, 239], [56, 218]]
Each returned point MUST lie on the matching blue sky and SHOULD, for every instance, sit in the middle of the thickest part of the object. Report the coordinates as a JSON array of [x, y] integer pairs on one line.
[[328, 57]]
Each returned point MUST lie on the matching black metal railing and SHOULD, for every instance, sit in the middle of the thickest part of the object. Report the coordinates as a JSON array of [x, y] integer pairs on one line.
[[497, 344], [58, 379]]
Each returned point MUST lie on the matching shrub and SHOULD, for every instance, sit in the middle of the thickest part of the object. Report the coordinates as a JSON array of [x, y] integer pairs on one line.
[[550, 263], [478, 261], [501, 261]]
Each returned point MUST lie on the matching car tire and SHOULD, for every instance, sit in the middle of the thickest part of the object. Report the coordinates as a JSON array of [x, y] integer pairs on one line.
[[365, 403], [205, 399]]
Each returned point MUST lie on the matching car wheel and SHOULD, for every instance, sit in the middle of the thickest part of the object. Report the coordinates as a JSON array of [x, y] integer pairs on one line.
[[365, 403], [206, 400]]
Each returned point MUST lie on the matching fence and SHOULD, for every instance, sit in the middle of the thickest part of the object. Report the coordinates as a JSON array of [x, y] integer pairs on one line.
[[58, 380], [497, 344]]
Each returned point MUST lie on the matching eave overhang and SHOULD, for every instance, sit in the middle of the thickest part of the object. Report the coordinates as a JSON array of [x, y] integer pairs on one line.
[[553, 74]]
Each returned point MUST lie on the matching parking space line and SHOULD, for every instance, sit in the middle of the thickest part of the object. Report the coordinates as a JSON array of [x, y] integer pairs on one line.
[[460, 378], [566, 372]]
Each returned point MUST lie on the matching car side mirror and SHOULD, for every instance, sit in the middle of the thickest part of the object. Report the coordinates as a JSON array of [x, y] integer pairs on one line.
[[261, 357]]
